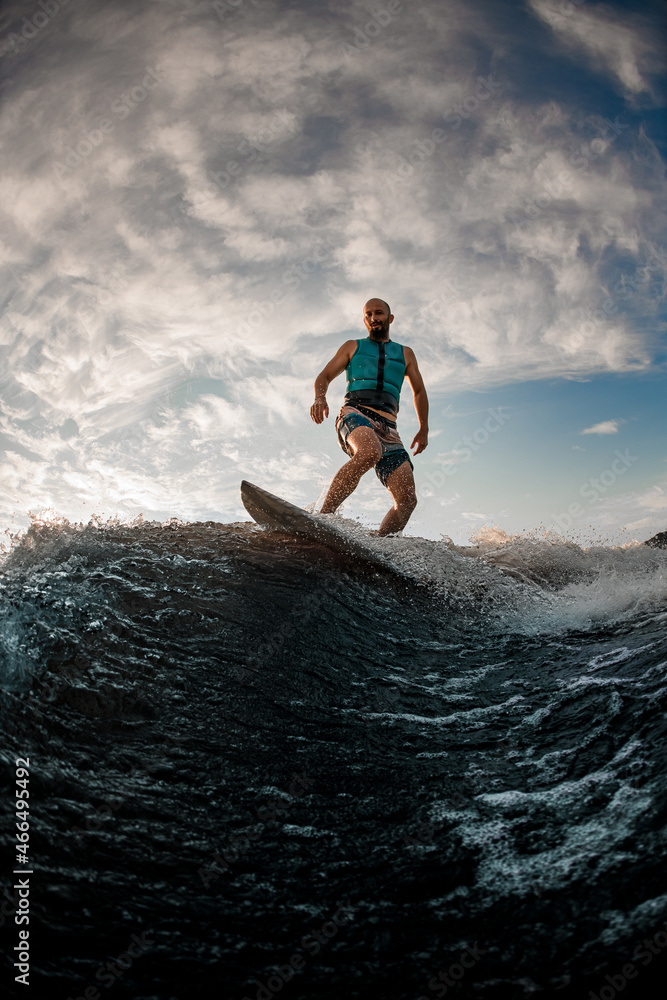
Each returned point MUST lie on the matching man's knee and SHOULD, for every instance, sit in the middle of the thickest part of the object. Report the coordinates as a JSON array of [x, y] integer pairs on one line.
[[409, 502], [367, 458]]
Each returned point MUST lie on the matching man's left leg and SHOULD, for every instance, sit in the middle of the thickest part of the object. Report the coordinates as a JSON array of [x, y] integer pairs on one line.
[[401, 485]]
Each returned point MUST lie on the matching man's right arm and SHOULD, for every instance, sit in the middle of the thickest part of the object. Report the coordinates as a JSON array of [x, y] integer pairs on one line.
[[320, 408]]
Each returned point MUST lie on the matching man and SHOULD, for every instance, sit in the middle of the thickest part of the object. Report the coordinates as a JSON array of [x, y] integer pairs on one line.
[[366, 425]]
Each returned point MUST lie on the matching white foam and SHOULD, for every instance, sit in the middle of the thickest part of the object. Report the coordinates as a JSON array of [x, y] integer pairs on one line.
[[584, 841], [531, 583], [472, 717]]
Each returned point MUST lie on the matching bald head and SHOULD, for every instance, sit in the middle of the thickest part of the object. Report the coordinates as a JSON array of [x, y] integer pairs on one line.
[[382, 302]]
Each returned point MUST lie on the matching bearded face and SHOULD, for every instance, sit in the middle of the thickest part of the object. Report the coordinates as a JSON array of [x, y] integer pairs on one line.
[[377, 319], [379, 330]]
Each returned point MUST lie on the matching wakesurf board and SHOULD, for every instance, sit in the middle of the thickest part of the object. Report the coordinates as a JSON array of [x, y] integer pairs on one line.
[[273, 512]]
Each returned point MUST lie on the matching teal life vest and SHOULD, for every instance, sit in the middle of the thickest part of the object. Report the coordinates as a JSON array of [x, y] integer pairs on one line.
[[375, 375]]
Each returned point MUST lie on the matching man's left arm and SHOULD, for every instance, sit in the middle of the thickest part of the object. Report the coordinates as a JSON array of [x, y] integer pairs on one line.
[[413, 375]]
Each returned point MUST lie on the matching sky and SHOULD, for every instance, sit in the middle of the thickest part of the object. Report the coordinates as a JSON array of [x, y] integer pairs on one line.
[[197, 199]]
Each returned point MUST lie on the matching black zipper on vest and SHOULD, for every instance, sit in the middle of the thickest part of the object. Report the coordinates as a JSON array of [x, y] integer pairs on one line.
[[380, 368]]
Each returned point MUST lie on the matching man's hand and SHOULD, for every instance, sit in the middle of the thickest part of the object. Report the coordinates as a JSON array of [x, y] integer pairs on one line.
[[420, 440], [319, 410]]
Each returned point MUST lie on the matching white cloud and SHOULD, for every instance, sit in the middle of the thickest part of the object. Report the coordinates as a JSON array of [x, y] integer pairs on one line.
[[622, 49], [604, 427], [654, 499], [137, 277], [642, 512]]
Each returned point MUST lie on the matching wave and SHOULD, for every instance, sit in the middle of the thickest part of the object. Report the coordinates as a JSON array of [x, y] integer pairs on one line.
[[58, 577], [479, 740]]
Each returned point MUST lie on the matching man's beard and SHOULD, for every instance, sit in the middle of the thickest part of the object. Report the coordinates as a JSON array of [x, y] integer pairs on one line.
[[379, 332]]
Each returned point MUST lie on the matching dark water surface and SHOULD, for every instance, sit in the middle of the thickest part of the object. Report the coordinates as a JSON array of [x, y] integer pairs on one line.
[[245, 751]]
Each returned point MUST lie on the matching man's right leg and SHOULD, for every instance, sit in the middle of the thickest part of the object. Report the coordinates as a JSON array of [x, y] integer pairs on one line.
[[366, 451]]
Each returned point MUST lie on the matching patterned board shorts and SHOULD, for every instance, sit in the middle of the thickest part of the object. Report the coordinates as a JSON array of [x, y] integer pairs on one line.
[[393, 452]]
